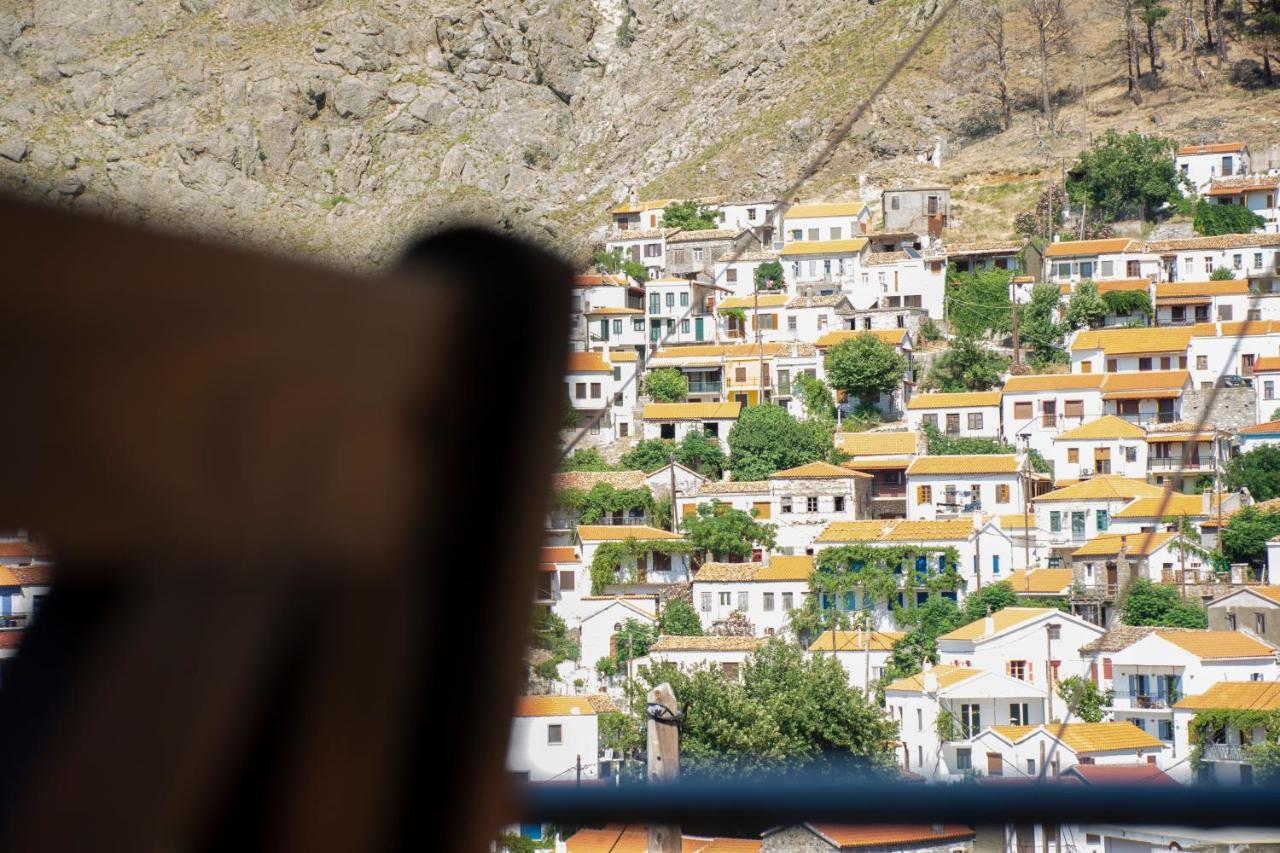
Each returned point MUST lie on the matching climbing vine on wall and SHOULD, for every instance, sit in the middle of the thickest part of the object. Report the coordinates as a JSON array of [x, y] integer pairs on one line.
[[615, 562], [603, 500], [1206, 724], [875, 570]]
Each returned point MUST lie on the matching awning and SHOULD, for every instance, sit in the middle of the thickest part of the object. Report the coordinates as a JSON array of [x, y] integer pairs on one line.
[[877, 464], [1183, 300], [1172, 438], [1149, 394]]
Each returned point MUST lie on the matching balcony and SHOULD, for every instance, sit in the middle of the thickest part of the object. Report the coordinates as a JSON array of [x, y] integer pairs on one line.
[[1225, 752], [705, 386], [888, 492], [1095, 592], [1195, 463], [1142, 701]]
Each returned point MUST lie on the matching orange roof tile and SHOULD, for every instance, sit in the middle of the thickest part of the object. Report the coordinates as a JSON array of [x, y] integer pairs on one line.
[[946, 674], [1123, 284], [1107, 427], [854, 531], [888, 336], [1236, 328], [1105, 488], [1267, 428], [1083, 738], [878, 443], [888, 835], [856, 641], [1137, 544], [976, 464], [955, 400], [1133, 341], [587, 362], [690, 411], [1220, 287], [953, 529], [1218, 645], [1001, 621], [1235, 696], [1053, 382], [1210, 148], [1073, 248], [559, 554], [620, 532], [786, 568], [563, 706], [1042, 581], [1173, 506], [818, 471], [1266, 363]]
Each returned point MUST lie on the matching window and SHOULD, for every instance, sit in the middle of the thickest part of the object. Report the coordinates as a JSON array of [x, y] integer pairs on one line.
[[751, 214], [1002, 493], [1257, 256], [797, 234], [1231, 621], [893, 203], [995, 564], [731, 275], [1268, 390], [1259, 623], [742, 601], [580, 391], [964, 759], [1224, 312], [1090, 838], [1022, 411], [1237, 261], [637, 325], [729, 669], [931, 418], [567, 581], [970, 720], [1106, 268], [684, 327], [791, 323], [1103, 520], [975, 421], [975, 495], [684, 299], [1208, 264], [725, 599], [595, 390], [924, 494], [810, 504], [1131, 454], [1031, 767], [706, 602], [617, 327], [671, 300], [1077, 524], [1144, 363], [1166, 729], [813, 234], [786, 505], [1018, 669], [1112, 365], [787, 601], [652, 250], [667, 431], [1073, 455], [1019, 714], [838, 504], [768, 602], [1055, 522], [555, 734]]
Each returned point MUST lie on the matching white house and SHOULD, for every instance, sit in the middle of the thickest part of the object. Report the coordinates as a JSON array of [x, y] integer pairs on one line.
[[588, 382], [685, 480], [753, 214], [807, 498], [1200, 164], [1156, 556], [886, 456], [901, 279], [551, 735], [826, 221], [808, 318], [737, 272], [646, 574], [562, 582], [1024, 643], [1230, 348], [1266, 387], [1180, 303], [638, 215], [946, 486], [1153, 673], [1077, 513], [673, 421], [762, 312], [940, 710], [1123, 350], [973, 413], [646, 246], [1225, 754], [1257, 192], [750, 496], [764, 594], [727, 654], [681, 311], [863, 654], [1250, 256], [1018, 751], [1105, 445], [603, 619], [1038, 407], [596, 301], [1099, 260], [1146, 398], [828, 265]]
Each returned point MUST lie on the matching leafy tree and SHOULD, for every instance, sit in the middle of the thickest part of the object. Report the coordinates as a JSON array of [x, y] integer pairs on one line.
[[1038, 463], [815, 396], [767, 439], [666, 385], [1258, 471], [926, 622], [1213, 219], [724, 533], [978, 302], [605, 499], [1158, 604], [989, 599], [633, 641], [1085, 702], [679, 619], [1040, 332], [585, 459], [690, 215], [702, 453], [1221, 274], [1126, 302], [1151, 13], [1045, 219], [940, 444], [647, 455], [1126, 172], [511, 842], [1262, 32], [865, 367], [966, 366], [617, 262], [1085, 309], [1275, 416], [625, 735], [769, 276], [1245, 535], [788, 714]]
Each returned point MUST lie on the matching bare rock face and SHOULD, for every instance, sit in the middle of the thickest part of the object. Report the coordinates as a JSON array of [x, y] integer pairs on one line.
[[341, 128]]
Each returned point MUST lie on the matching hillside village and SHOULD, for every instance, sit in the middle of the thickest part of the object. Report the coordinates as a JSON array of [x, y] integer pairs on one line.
[[980, 563]]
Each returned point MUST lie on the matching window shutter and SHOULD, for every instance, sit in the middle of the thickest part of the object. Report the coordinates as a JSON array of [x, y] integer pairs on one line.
[[1031, 676], [920, 494], [1106, 668], [1008, 667]]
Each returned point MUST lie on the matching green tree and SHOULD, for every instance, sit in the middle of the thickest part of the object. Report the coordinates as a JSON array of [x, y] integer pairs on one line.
[[647, 455], [1221, 274], [940, 444], [989, 599], [1213, 219], [925, 623], [679, 619], [815, 396], [666, 385], [585, 459], [702, 453], [1275, 416], [1040, 332], [633, 641], [966, 366], [1129, 172], [511, 842], [1257, 470], [978, 302], [769, 276], [726, 533], [767, 439], [1158, 604], [1126, 302], [1085, 308], [1085, 702], [1151, 13], [617, 262], [865, 367], [1262, 32], [690, 215], [1245, 535]]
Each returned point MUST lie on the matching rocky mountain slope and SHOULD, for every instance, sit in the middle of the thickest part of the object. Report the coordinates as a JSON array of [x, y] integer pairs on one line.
[[337, 128]]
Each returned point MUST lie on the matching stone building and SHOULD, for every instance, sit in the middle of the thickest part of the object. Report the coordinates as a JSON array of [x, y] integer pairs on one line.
[[920, 210]]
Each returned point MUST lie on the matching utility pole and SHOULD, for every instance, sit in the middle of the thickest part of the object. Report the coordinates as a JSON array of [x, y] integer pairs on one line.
[[672, 465], [755, 299], [578, 770], [1026, 513], [1013, 300], [1048, 671], [663, 758]]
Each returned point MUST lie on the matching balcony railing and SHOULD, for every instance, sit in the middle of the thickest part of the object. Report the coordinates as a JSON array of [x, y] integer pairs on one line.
[[705, 386], [1144, 418], [1195, 463], [1145, 701], [1224, 752], [1096, 592], [569, 520], [879, 491]]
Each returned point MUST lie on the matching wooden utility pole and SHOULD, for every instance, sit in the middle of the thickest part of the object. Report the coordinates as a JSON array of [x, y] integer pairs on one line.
[[664, 759], [1013, 300]]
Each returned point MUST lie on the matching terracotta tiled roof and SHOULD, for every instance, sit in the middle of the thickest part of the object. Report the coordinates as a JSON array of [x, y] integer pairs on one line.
[[824, 247], [607, 310], [1073, 248], [1218, 645], [765, 300], [559, 554], [1175, 505], [690, 411], [889, 835], [1221, 287], [1266, 363], [1138, 544], [584, 480], [1122, 774], [562, 706], [854, 531], [599, 280], [786, 568], [1117, 639], [1123, 284], [694, 235], [727, 572], [876, 259], [946, 674], [976, 464], [22, 549], [1107, 488], [856, 641], [1235, 696], [1001, 621], [818, 471], [735, 487], [1220, 241], [1144, 384], [620, 532], [1042, 581], [1083, 738], [1267, 428], [879, 463], [1133, 341], [33, 575], [708, 644], [878, 443], [955, 400], [623, 356], [587, 362], [716, 352], [1236, 328], [634, 838], [1105, 428], [639, 234], [641, 206], [1211, 148], [1017, 521], [817, 209], [1053, 382], [949, 530], [888, 336], [830, 300], [1242, 184]]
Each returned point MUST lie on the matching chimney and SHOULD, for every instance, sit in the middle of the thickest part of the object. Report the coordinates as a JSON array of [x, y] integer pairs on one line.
[[988, 625]]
